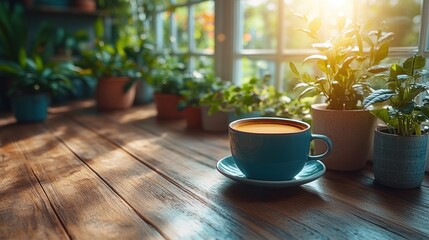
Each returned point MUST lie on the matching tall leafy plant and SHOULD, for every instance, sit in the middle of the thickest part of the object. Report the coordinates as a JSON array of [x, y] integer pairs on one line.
[[13, 31], [343, 64], [33, 75], [396, 105]]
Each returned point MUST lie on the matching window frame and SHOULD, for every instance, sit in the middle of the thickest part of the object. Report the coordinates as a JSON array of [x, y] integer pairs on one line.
[[228, 52]]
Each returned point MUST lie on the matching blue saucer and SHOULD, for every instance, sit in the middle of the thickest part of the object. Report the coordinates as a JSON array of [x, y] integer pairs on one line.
[[311, 171]]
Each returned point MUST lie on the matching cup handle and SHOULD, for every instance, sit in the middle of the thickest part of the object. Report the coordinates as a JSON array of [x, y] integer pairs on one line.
[[328, 145]]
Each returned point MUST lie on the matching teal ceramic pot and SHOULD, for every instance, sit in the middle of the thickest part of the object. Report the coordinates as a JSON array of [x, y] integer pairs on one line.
[[53, 3], [232, 116], [399, 162], [30, 108], [79, 88], [144, 93]]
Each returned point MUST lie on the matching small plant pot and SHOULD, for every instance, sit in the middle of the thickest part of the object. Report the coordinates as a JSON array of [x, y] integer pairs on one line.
[[166, 106], [217, 122], [399, 161], [193, 117], [53, 3], [30, 108], [110, 94], [85, 5], [144, 93], [351, 132]]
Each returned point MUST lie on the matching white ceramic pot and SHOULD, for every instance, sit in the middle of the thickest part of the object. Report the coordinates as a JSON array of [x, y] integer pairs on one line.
[[352, 135], [217, 122]]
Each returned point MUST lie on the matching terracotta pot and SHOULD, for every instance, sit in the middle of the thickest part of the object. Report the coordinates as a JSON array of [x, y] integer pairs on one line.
[[399, 161], [85, 5], [166, 106], [110, 94], [193, 117], [217, 122], [351, 132]]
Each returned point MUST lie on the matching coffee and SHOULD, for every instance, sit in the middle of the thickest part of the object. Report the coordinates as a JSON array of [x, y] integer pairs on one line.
[[272, 149], [267, 127]]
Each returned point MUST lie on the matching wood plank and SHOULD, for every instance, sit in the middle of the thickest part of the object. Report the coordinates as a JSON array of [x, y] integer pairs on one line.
[[286, 207], [178, 213], [87, 207], [25, 211]]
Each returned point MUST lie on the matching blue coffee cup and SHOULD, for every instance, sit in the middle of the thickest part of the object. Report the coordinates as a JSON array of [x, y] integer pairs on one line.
[[272, 149]]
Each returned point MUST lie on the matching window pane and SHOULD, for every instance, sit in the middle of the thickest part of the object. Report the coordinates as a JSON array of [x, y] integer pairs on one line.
[[256, 68], [204, 25], [290, 80], [402, 17], [327, 10], [259, 24], [204, 63], [181, 17], [166, 30]]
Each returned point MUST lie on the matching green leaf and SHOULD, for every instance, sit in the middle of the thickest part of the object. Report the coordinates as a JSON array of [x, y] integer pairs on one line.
[[293, 68], [381, 53], [419, 62], [377, 96], [378, 69], [308, 92], [315, 25], [387, 37], [99, 28], [384, 115], [315, 57], [22, 57]]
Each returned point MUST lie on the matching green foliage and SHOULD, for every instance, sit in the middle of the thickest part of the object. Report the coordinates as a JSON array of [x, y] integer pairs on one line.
[[107, 60], [13, 31], [32, 75], [344, 65], [168, 76], [255, 95], [197, 86], [397, 105], [244, 98], [145, 58]]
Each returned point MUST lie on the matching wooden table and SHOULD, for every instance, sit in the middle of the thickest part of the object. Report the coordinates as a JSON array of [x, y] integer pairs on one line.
[[125, 175]]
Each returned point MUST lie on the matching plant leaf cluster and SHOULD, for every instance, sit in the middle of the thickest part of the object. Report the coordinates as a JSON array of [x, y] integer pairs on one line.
[[33, 75], [344, 64], [169, 74], [197, 86], [396, 105], [255, 95]]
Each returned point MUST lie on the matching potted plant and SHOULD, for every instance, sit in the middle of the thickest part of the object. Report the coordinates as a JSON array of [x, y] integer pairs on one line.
[[13, 37], [146, 59], [400, 147], [195, 88], [212, 117], [344, 71], [115, 71], [33, 83], [167, 80]]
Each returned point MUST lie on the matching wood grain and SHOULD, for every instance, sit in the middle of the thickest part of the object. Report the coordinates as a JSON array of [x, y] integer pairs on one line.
[[177, 214], [84, 175], [87, 207], [179, 164], [25, 211]]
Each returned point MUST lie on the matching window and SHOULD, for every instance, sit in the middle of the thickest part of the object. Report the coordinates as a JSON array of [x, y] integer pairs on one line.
[[187, 29], [258, 37]]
